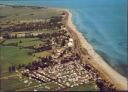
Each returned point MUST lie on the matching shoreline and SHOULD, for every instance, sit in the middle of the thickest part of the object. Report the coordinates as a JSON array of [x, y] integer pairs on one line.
[[95, 60], [119, 81]]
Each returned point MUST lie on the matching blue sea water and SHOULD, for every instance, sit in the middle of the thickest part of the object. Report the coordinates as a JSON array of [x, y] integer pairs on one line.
[[102, 22]]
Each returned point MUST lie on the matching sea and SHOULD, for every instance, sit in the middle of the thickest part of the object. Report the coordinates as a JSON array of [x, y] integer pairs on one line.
[[102, 22]]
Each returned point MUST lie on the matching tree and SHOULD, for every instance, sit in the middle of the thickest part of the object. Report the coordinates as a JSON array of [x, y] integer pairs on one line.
[[10, 69], [13, 68], [20, 41]]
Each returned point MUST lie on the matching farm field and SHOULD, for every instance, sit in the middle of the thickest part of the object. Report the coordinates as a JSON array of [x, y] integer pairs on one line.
[[15, 14], [23, 42], [15, 81], [10, 55], [14, 55]]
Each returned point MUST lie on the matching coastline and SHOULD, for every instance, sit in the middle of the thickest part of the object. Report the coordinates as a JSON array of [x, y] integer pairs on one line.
[[95, 60], [106, 71]]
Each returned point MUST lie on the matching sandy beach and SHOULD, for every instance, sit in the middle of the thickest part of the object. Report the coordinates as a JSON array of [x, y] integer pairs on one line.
[[91, 57]]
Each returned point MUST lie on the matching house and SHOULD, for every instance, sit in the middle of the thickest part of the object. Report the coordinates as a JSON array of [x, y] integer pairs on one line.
[[36, 34], [12, 35], [1, 38], [21, 35], [70, 43], [70, 40]]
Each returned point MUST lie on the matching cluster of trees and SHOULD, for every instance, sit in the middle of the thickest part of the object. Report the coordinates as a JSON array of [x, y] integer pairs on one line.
[[42, 63], [57, 39], [52, 24], [51, 35], [103, 87], [12, 68], [70, 58], [43, 48], [56, 21]]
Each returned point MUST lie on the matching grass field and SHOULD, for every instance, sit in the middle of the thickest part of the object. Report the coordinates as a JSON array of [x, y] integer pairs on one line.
[[12, 83], [15, 14], [83, 87], [38, 31], [10, 55], [50, 86], [42, 54], [25, 42]]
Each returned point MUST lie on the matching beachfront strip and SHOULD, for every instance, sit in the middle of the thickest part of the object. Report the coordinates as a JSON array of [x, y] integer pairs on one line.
[[64, 66]]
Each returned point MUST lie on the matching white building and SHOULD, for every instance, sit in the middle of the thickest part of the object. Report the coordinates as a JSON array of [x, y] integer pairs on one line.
[[1, 38], [70, 43]]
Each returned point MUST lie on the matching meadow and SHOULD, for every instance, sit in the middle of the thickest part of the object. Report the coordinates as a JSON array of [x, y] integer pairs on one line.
[[83, 87], [23, 42], [14, 15], [10, 55], [14, 55]]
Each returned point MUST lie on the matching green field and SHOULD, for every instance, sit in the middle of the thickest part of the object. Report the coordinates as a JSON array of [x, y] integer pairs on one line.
[[23, 42], [42, 54], [14, 55], [15, 14], [10, 55], [83, 87], [13, 82], [50, 86]]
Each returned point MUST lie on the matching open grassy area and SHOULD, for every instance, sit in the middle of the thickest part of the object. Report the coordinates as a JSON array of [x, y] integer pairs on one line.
[[38, 31], [42, 54], [14, 14], [43, 87], [24, 42], [83, 87], [10, 55], [13, 82]]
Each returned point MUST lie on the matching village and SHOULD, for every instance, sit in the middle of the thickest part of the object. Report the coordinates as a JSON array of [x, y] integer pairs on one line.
[[64, 66]]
